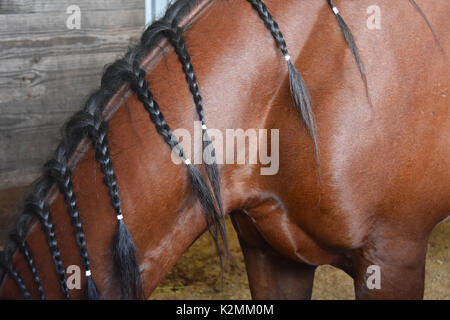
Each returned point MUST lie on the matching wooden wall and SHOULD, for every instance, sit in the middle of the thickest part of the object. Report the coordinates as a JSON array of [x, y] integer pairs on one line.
[[47, 71]]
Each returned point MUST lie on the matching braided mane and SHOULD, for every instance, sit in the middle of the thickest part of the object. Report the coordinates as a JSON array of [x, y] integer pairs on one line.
[[87, 123], [90, 124]]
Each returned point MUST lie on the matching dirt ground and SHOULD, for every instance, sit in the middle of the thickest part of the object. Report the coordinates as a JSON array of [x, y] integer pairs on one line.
[[196, 276]]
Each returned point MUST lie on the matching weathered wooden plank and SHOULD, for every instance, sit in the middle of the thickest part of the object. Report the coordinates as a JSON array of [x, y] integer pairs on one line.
[[48, 71], [45, 79], [42, 23], [33, 6], [35, 152], [57, 43]]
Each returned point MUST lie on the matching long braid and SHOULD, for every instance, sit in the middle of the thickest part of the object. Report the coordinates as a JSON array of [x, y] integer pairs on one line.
[[175, 35], [299, 90], [124, 252], [58, 170], [26, 252], [42, 211]]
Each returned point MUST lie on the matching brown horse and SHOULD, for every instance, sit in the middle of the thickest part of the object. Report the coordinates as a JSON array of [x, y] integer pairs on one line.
[[384, 178]]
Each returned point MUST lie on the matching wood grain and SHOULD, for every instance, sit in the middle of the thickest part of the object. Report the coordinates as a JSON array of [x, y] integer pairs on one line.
[[47, 71]]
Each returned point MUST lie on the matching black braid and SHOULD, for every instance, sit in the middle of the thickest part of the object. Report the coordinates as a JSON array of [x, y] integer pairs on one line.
[[96, 128], [102, 155], [62, 174], [175, 35], [42, 211], [124, 251], [25, 250], [57, 169], [176, 38], [140, 86], [130, 71], [12, 272], [299, 90], [271, 24]]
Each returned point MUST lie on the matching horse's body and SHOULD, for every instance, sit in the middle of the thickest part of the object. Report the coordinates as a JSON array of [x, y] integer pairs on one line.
[[384, 177]]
